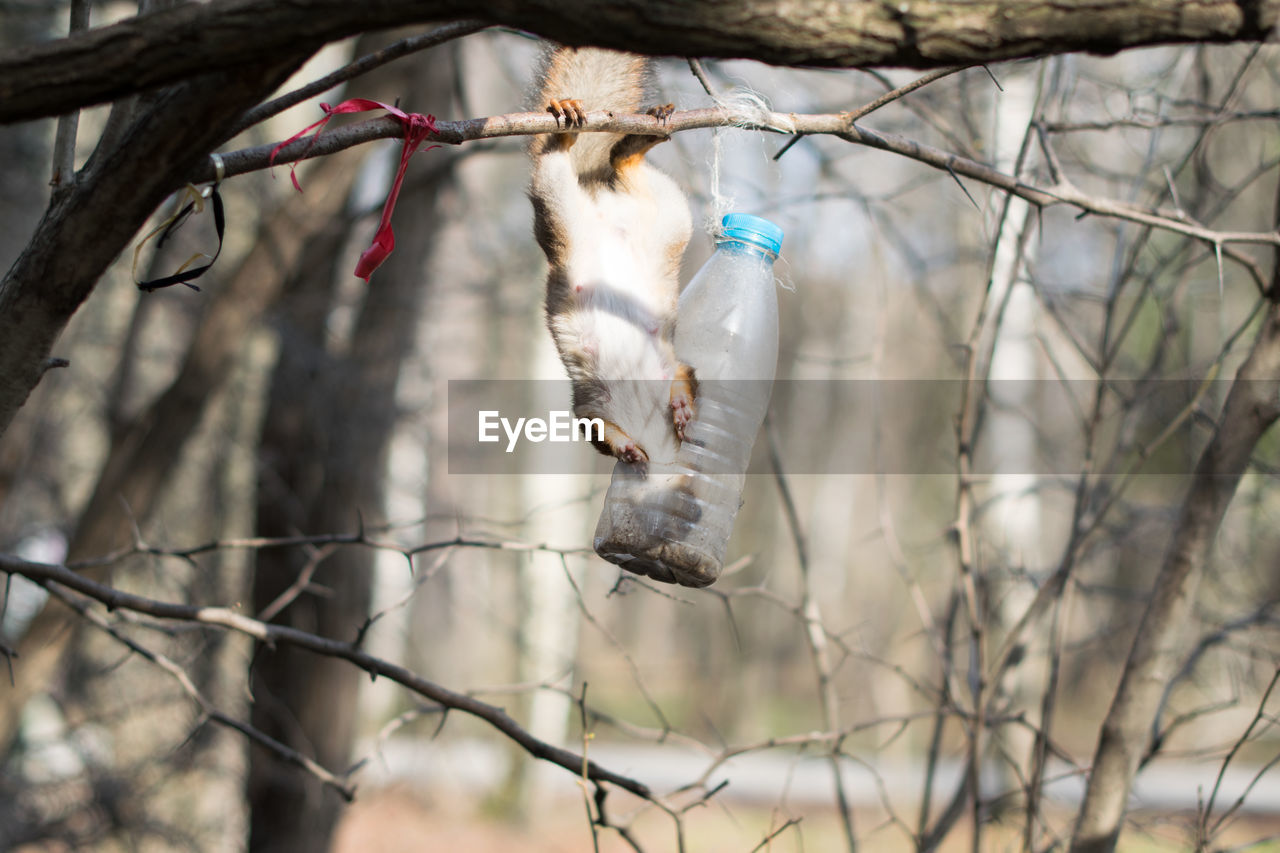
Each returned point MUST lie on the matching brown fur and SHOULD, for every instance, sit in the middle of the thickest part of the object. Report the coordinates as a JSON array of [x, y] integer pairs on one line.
[[614, 230]]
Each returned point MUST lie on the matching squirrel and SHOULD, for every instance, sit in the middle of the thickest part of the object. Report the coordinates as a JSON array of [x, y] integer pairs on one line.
[[614, 230]]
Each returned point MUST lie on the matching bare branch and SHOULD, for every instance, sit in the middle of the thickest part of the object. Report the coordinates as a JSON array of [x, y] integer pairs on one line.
[[45, 574], [835, 124], [1155, 122], [114, 194], [81, 606], [64, 142], [636, 677], [1252, 406], [256, 543], [350, 71], [767, 841], [1204, 830], [815, 634], [901, 91]]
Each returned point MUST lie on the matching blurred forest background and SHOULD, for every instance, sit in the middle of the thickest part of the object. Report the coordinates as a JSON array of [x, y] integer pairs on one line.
[[918, 653]]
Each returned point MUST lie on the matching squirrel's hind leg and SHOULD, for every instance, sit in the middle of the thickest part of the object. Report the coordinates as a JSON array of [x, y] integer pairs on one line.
[[628, 150], [617, 443], [683, 389]]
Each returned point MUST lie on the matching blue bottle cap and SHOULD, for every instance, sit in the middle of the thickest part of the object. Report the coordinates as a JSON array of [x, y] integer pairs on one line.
[[753, 229]]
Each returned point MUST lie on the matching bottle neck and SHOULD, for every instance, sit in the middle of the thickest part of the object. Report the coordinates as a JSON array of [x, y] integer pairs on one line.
[[730, 244]]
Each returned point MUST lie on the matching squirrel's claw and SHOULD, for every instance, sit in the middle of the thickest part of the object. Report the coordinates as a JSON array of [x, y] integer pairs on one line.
[[681, 410], [662, 112], [683, 390], [633, 453], [681, 414], [568, 110]]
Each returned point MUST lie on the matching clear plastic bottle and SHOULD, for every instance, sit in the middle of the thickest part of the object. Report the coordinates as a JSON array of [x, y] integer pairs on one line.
[[672, 521]]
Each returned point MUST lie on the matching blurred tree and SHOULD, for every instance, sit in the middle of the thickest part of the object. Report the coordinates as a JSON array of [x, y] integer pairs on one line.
[[25, 147], [185, 84], [324, 450]]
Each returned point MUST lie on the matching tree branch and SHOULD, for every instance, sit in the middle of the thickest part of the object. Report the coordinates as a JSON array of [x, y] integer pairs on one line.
[[64, 144], [167, 46], [82, 605], [1251, 407], [114, 599], [354, 69], [831, 124], [88, 223]]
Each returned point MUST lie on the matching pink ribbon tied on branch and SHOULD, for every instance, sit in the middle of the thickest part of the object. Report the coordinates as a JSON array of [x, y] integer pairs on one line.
[[417, 128]]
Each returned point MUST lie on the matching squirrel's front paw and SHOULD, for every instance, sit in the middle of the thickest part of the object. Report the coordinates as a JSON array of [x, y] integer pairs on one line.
[[568, 110], [662, 112]]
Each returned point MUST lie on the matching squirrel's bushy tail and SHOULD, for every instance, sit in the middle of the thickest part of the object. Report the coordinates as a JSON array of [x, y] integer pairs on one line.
[[601, 80]]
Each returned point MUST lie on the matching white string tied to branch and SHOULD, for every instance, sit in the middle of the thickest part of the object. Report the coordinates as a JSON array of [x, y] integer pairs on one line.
[[748, 110]]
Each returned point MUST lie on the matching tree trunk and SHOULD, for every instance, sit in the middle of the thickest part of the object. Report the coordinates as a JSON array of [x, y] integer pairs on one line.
[[324, 450], [110, 199], [1252, 406], [24, 188], [142, 459]]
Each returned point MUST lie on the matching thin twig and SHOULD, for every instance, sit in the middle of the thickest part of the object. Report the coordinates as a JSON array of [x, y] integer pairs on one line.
[[1259, 716], [801, 741], [583, 782], [816, 636], [354, 69], [700, 73], [255, 543], [1156, 122], [300, 583], [765, 842], [81, 605], [1048, 705], [906, 89], [636, 677], [885, 99], [64, 140]]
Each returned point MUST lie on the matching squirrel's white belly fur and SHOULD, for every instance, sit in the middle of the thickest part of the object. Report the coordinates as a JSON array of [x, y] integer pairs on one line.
[[621, 302]]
